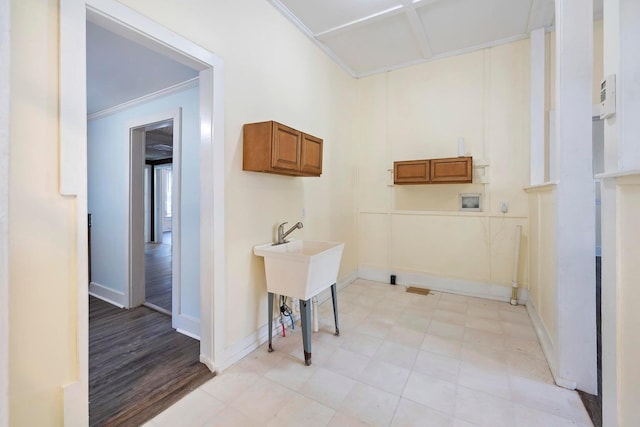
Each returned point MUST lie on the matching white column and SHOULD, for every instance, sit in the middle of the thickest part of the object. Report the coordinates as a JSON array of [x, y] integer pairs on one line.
[[537, 113], [622, 157], [622, 131], [575, 252], [628, 83]]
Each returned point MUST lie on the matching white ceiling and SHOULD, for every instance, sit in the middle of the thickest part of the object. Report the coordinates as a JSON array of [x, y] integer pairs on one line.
[[363, 36], [371, 36], [120, 70]]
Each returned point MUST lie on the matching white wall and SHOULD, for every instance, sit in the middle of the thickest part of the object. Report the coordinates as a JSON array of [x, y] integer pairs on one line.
[[108, 169], [417, 231]]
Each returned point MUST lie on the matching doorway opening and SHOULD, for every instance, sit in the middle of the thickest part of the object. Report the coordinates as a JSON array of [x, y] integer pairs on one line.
[[158, 216], [154, 231], [160, 212], [210, 154]]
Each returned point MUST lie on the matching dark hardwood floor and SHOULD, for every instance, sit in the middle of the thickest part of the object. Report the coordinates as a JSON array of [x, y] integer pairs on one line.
[[138, 365], [157, 271]]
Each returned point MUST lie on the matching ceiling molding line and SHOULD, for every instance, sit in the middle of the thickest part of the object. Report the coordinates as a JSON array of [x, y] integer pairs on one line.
[[295, 21], [406, 6], [188, 84], [530, 19], [421, 3], [541, 14], [417, 28], [466, 50], [362, 21]]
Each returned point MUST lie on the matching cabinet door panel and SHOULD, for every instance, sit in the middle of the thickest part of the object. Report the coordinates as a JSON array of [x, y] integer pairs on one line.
[[285, 152], [455, 169], [411, 172], [311, 155]]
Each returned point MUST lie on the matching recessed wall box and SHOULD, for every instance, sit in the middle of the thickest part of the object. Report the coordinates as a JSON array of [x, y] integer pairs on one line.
[[608, 97], [470, 202]]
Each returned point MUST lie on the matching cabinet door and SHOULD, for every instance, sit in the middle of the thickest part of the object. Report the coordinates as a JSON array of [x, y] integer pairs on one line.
[[311, 155], [411, 172], [285, 151], [451, 170]]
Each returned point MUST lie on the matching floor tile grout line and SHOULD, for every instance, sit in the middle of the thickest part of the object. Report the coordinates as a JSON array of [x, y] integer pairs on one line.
[[419, 348]]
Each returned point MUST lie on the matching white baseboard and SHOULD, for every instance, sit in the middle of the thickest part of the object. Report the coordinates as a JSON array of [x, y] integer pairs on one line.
[[76, 405], [547, 347], [186, 325], [208, 363], [240, 349], [107, 294], [471, 288]]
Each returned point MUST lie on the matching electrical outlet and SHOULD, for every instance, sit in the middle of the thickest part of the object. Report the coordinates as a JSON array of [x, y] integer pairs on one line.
[[504, 207]]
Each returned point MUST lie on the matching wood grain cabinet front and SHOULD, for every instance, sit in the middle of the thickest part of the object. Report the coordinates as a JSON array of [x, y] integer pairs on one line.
[[411, 172], [433, 171], [272, 147], [451, 170], [311, 163]]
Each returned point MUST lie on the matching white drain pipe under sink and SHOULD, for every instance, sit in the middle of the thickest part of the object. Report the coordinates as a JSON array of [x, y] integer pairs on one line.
[[516, 264]]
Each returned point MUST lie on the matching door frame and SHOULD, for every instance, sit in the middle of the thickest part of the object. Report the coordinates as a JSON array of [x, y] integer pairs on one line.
[[135, 290], [73, 171]]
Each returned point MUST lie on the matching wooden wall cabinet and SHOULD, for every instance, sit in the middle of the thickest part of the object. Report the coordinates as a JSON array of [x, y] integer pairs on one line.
[[452, 170], [272, 147], [411, 172]]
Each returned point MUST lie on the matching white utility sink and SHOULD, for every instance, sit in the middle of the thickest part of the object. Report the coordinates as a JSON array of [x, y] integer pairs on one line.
[[300, 268]]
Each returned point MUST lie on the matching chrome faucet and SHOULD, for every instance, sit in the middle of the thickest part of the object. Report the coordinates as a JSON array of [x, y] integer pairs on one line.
[[282, 235]]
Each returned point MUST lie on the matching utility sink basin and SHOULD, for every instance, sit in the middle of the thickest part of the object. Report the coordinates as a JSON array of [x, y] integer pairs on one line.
[[300, 268]]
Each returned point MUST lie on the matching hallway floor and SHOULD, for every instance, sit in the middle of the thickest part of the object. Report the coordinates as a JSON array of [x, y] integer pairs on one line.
[[402, 359], [138, 365], [157, 272]]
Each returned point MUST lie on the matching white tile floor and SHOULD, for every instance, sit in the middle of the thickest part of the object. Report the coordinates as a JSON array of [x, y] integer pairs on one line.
[[401, 360]]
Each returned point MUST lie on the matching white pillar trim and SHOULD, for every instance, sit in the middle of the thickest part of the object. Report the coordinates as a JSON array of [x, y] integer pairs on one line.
[[575, 216], [537, 109]]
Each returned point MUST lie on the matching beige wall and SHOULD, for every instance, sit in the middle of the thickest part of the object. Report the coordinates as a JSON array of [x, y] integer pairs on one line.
[[542, 257], [628, 195], [42, 253], [419, 112], [272, 71]]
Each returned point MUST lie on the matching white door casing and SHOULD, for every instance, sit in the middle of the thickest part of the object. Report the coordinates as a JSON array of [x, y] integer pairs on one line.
[[73, 170], [135, 291]]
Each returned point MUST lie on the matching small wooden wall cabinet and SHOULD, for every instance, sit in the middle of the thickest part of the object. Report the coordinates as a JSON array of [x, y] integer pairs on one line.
[[452, 170], [272, 147]]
